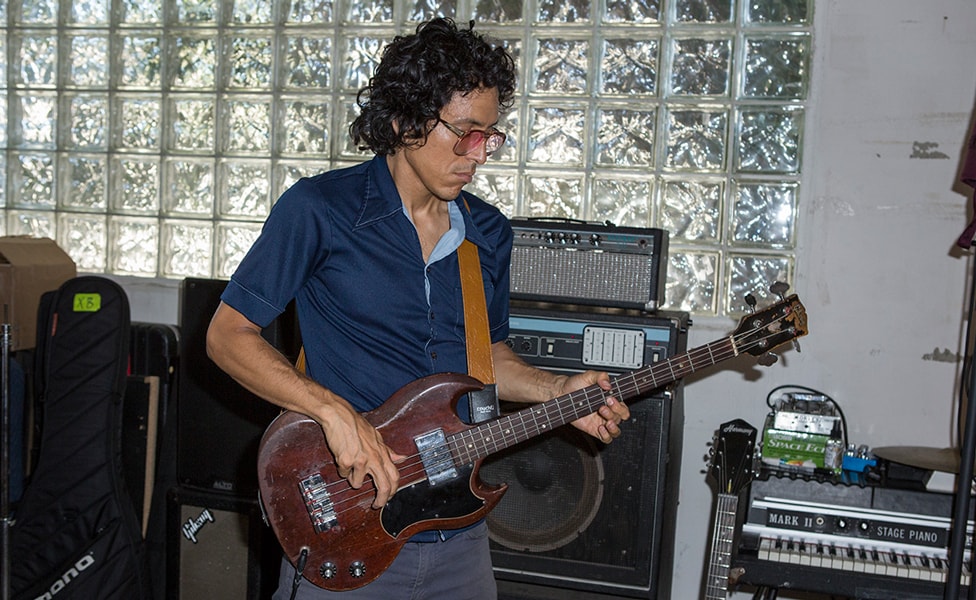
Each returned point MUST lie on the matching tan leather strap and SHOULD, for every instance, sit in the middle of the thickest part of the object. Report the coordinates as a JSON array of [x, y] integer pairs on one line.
[[480, 364]]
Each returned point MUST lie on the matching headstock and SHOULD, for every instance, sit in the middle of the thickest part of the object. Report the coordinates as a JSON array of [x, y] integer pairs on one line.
[[731, 456], [761, 331]]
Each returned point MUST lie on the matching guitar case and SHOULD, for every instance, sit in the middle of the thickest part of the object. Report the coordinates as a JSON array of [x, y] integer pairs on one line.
[[76, 534]]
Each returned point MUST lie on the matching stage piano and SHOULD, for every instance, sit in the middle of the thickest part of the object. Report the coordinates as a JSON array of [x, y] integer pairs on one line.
[[864, 542]]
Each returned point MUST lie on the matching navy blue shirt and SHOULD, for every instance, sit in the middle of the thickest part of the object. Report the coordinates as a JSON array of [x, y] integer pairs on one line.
[[373, 315]]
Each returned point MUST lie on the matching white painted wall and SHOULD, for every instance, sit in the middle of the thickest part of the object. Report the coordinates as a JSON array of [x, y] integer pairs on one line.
[[885, 290]]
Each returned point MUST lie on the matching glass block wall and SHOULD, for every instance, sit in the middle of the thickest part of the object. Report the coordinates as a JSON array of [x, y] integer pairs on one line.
[[150, 137]]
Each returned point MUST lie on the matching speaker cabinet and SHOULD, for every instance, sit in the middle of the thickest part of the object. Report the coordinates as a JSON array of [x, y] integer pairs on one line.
[[580, 515], [219, 548], [219, 422]]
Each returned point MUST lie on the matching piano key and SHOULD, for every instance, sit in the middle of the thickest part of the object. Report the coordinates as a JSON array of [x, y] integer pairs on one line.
[[872, 563], [920, 568], [861, 564], [817, 555], [793, 552], [890, 561], [904, 566], [803, 550], [764, 551]]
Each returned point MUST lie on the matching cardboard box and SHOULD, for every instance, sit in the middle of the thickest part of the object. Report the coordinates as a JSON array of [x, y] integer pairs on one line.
[[28, 268]]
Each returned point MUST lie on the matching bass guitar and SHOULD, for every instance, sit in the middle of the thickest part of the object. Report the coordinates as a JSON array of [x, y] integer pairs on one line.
[[339, 542], [731, 468]]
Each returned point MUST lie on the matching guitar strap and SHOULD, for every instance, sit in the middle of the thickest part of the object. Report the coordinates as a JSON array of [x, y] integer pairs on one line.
[[482, 404], [480, 365]]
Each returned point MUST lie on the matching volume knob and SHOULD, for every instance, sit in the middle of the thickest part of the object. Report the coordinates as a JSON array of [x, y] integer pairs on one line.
[[357, 569], [328, 570]]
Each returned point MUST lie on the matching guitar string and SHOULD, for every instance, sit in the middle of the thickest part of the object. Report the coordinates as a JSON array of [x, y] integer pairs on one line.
[[366, 491], [413, 465], [637, 386], [718, 572], [415, 461]]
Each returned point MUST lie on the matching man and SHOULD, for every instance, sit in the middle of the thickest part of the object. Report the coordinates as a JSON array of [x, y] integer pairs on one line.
[[370, 255]]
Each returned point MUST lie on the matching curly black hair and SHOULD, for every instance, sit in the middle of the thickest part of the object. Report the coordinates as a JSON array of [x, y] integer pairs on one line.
[[419, 74]]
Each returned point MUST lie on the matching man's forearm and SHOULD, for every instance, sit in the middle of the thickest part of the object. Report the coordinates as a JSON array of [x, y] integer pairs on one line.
[[519, 381]]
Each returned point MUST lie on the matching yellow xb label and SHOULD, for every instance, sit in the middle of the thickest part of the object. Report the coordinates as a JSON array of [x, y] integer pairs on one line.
[[87, 303]]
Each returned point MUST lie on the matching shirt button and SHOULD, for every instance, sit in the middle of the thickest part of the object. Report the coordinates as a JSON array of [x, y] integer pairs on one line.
[[433, 355]]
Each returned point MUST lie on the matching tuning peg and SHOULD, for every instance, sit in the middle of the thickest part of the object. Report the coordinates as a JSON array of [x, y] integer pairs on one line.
[[779, 288], [751, 301], [767, 359]]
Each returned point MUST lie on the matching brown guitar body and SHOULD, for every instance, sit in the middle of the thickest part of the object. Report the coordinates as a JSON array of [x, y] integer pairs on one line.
[[353, 543]]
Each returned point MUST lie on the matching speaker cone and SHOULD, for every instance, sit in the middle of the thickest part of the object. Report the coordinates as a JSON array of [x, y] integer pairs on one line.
[[555, 490]]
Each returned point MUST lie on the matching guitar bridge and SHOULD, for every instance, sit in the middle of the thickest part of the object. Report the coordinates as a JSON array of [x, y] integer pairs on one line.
[[436, 457], [318, 502]]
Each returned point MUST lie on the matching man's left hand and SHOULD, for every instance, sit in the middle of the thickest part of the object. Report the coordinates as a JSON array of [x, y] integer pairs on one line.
[[604, 423]]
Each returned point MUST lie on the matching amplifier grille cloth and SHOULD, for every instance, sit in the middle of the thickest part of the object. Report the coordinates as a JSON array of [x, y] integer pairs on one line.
[[590, 275], [555, 491]]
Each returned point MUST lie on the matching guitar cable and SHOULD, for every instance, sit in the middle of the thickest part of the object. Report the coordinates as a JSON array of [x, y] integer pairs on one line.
[[299, 569]]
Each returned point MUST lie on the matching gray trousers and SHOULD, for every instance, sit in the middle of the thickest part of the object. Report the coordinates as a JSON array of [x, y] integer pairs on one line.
[[458, 569]]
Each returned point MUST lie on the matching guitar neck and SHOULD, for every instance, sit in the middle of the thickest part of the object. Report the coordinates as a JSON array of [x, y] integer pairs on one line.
[[717, 581], [496, 435]]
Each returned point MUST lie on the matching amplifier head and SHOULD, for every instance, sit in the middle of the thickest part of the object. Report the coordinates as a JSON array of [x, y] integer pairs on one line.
[[587, 263]]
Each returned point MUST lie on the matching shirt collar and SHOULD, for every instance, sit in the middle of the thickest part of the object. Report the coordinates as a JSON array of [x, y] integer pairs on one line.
[[381, 200], [471, 230]]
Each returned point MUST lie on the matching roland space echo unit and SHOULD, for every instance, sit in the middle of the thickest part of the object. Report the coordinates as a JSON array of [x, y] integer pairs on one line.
[[575, 262]]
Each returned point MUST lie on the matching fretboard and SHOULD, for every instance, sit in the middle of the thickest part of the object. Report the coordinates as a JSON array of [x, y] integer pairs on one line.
[[720, 558], [506, 431]]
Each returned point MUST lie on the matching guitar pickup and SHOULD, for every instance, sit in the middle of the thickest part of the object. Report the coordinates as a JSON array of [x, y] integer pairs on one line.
[[318, 502], [436, 457]]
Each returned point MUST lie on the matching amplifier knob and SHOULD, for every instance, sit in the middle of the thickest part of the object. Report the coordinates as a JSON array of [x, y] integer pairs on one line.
[[595, 240], [842, 524]]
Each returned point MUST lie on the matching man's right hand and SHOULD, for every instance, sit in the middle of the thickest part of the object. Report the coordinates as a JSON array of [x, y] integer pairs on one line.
[[236, 345], [359, 452]]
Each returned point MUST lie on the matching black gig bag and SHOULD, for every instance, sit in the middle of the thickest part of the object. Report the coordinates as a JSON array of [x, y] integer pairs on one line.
[[76, 534]]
